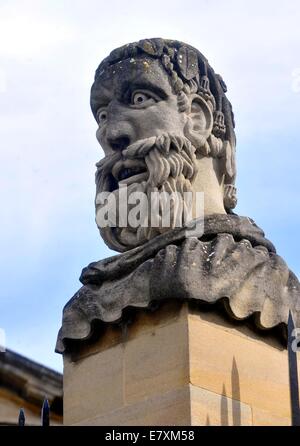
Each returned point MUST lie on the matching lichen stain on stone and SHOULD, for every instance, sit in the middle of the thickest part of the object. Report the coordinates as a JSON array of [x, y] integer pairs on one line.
[[146, 65], [148, 47]]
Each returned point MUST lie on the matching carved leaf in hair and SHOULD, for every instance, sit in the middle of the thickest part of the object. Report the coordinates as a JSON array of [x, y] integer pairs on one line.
[[187, 61]]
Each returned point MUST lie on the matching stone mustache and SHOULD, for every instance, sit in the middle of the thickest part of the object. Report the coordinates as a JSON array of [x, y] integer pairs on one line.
[[165, 124]]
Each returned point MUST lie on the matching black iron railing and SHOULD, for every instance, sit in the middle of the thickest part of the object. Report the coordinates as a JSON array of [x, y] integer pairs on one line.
[[45, 415]]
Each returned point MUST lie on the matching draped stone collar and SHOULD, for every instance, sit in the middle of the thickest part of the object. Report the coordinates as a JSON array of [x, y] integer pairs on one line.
[[231, 261]]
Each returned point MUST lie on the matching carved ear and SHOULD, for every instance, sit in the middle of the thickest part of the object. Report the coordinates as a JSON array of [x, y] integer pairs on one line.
[[201, 116], [200, 122]]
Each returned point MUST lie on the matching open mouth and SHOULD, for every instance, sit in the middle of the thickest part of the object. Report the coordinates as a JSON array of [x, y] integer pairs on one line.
[[130, 171]]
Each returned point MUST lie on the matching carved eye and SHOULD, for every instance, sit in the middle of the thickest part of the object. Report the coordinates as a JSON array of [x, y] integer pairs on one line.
[[101, 116], [141, 98]]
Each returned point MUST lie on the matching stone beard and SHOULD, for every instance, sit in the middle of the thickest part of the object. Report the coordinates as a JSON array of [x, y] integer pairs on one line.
[[165, 164], [155, 128]]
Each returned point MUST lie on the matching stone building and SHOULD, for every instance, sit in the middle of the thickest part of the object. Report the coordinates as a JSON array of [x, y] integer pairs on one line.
[[24, 384]]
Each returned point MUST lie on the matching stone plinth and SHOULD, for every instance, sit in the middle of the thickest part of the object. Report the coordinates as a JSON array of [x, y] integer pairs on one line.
[[177, 366]]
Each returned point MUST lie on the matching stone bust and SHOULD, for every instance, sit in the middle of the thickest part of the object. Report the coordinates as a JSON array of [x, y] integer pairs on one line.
[[166, 125]]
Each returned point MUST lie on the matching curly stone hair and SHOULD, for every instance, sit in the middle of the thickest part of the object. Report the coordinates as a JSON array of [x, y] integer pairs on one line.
[[189, 72]]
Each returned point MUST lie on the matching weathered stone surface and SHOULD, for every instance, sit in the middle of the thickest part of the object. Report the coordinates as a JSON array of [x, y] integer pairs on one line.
[[241, 367], [171, 370], [187, 406], [232, 262], [213, 409], [178, 366], [172, 408], [102, 374], [116, 381]]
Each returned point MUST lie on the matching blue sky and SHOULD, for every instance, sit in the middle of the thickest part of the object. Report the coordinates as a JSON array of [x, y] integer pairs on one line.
[[49, 51]]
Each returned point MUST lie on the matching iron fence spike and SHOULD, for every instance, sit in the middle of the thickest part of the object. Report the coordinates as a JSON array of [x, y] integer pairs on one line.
[[45, 413], [21, 419]]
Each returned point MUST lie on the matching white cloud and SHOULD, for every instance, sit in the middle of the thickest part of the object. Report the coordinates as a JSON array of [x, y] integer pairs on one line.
[[25, 32], [3, 81], [296, 80]]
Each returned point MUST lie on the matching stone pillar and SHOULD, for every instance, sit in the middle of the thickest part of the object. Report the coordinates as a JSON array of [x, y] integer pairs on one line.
[[177, 366]]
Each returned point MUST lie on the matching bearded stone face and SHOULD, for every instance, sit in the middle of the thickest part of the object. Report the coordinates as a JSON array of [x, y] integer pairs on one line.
[[151, 137]]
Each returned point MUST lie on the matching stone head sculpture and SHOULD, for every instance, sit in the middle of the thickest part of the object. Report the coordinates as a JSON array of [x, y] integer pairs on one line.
[[165, 124]]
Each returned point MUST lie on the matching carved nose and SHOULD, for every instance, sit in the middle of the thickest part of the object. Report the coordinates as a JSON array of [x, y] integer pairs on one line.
[[119, 143]]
